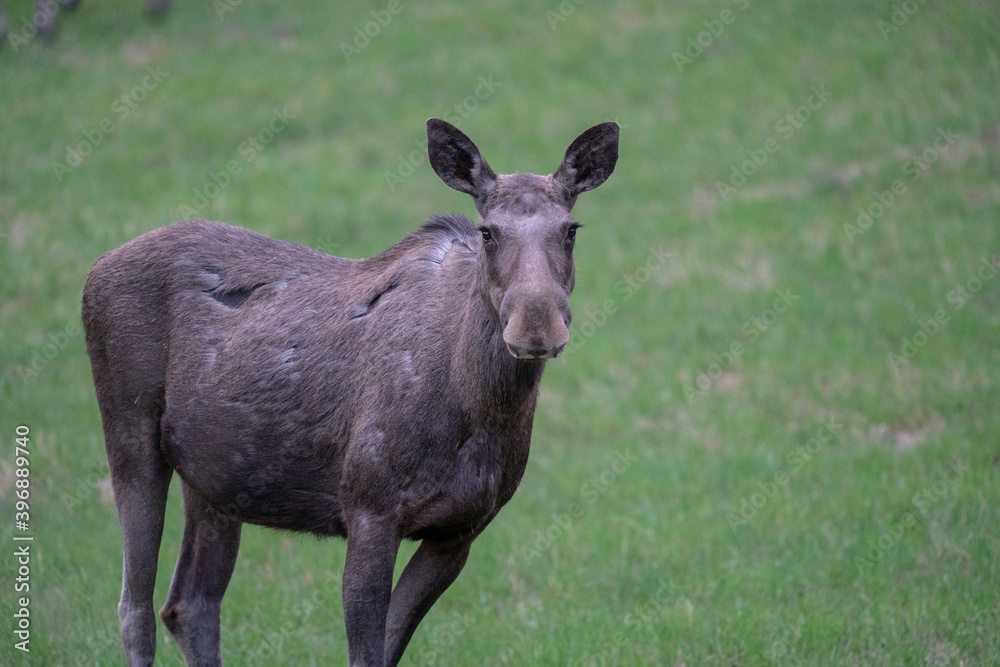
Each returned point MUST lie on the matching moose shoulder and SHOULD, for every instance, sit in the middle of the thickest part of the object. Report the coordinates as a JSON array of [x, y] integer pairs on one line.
[[374, 399]]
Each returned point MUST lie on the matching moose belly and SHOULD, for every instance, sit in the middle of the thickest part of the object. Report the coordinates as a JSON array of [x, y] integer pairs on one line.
[[294, 500], [283, 481]]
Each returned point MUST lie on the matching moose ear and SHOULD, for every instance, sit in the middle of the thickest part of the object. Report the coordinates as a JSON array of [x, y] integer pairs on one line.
[[458, 162], [589, 160]]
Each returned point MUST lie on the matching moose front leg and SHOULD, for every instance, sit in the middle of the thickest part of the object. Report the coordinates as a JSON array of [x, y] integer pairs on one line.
[[433, 567], [372, 545]]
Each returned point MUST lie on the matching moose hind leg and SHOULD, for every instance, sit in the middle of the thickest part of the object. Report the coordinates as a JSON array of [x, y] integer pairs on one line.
[[208, 556], [140, 486]]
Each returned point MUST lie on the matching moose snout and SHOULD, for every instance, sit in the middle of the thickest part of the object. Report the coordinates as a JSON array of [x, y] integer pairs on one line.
[[537, 329]]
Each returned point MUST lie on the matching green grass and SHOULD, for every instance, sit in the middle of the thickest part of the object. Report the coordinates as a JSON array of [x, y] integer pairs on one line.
[[870, 550]]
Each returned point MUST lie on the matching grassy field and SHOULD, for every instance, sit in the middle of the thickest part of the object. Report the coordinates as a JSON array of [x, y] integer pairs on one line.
[[774, 439]]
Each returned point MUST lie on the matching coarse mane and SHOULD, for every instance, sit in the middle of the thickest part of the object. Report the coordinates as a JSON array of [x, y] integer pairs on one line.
[[431, 242]]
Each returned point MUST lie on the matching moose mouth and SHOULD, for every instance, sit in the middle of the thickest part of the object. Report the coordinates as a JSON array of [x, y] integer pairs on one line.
[[534, 354]]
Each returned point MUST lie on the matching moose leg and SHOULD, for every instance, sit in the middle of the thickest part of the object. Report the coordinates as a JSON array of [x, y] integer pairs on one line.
[[140, 484], [433, 567], [372, 545], [208, 556]]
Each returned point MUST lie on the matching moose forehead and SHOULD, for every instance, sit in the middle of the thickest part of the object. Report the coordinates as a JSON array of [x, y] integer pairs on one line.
[[519, 197]]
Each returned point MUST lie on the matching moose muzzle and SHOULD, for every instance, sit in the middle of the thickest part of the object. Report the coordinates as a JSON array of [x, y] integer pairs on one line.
[[535, 326]]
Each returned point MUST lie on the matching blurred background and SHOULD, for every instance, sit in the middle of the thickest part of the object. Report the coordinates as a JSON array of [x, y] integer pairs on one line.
[[774, 436]]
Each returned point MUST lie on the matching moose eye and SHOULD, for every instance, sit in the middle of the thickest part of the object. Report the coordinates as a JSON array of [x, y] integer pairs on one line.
[[571, 232], [487, 234]]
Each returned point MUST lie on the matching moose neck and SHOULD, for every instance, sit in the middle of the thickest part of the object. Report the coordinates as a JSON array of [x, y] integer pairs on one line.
[[492, 381]]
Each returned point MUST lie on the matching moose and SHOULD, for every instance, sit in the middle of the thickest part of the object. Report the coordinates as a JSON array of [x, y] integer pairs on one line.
[[373, 399]]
